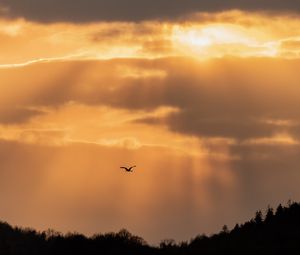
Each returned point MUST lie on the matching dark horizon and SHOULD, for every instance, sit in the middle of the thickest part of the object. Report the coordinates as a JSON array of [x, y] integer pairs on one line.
[[272, 232]]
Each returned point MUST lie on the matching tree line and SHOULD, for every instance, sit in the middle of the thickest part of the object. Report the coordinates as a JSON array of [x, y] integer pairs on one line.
[[273, 232]]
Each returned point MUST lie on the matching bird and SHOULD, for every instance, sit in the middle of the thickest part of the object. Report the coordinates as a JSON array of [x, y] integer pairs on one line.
[[128, 169]]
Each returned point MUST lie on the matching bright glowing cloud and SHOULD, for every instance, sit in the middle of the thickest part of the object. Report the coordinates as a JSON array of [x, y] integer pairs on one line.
[[203, 36]]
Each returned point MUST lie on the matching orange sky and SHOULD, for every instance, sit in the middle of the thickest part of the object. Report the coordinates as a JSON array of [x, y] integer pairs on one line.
[[206, 106]]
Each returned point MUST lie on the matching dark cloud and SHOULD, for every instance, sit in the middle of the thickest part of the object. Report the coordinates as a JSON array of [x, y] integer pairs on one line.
[[116, 32], [16, 115], [231, 98], [131, 10], [238, 128], [234, 98]]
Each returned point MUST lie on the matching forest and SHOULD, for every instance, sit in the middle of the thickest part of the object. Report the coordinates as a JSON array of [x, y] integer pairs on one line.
[[274, 232]]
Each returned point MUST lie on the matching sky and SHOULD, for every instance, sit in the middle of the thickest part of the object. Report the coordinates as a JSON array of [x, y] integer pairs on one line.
[[203, 96]]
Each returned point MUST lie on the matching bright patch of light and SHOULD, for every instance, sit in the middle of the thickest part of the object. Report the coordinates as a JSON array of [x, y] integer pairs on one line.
[[218, 40]]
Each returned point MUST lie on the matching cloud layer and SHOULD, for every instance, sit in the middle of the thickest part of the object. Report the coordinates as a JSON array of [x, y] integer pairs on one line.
[[132, 10], [206, 135], [229, 98], [204, 36], [207, 106]]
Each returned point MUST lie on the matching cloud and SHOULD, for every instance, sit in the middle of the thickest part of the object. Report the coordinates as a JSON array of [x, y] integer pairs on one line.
[[231, 98], [291, 44], [227, 98], [132, 10], [290, 47], [130, 143], [207, 133], [205, 36], [17, 115], [207, 136]]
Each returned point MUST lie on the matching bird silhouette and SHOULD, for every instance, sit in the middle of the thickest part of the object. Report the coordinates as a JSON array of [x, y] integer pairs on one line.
[[128, 169]]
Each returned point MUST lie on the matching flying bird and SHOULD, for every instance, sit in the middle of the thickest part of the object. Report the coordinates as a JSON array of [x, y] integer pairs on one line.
[[128, 169]]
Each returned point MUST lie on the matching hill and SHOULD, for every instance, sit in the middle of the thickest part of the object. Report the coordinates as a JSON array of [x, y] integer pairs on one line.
[[275, 233]]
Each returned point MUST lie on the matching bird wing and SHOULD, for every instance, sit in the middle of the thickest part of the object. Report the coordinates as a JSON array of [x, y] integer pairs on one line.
[[124, 167]]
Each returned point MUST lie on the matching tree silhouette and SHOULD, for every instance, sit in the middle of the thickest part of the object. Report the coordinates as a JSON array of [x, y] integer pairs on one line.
[[277, 233], [269, 214], [225, 229], [258, 218]]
